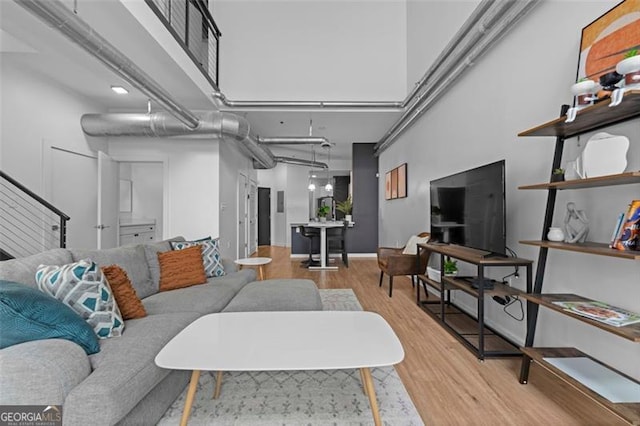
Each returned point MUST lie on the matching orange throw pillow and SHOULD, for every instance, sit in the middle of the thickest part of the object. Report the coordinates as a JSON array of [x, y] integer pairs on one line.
[[181, 268], [126, 298]]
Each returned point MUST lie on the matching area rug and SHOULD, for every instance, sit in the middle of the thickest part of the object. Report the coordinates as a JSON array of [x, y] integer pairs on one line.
[[323, 397]]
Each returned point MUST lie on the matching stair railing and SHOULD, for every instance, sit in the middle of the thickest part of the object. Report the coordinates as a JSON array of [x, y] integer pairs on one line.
[[28, 223]]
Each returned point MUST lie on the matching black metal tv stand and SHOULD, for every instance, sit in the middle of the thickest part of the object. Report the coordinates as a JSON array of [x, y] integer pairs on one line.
[[469, 329]]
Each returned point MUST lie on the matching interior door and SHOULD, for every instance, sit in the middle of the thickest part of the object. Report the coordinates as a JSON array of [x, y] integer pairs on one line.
[[242, 216], [108, 201], [264, 216], [74, 178], [253, 217]]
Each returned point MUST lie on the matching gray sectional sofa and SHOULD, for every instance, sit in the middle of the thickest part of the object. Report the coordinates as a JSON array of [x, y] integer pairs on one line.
[[121, 384]]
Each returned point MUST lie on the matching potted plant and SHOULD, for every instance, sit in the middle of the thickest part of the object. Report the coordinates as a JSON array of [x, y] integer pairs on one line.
[[323, 211], [557, 175], [346, 207], [450, 268], [435, 214], [584, 91], [630, 67]]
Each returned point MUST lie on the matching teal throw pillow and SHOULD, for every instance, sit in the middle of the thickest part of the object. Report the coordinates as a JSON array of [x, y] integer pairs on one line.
[[211, 258], [27, 314], [82, 286]]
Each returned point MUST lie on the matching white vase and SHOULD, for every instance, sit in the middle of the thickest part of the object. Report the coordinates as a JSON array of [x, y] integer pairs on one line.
[[348, 218], [323, 219], [555, 234], [584, 92], [630, 68]]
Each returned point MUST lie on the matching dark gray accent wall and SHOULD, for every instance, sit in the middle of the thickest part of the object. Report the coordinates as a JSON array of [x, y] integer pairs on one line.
[[363, 237]]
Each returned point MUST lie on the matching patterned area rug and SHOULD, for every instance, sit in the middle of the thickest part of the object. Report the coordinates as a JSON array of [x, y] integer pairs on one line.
[[320, 397]]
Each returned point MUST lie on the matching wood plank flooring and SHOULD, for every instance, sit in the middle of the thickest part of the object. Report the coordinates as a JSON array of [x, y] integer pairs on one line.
[[447, 384]]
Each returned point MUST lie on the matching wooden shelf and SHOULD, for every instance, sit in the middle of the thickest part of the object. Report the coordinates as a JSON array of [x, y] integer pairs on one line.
[[629, 332], [430, 282], [474, 256], [610, 180], [590, 118], [630, 412], [498, 289], [600, 249]]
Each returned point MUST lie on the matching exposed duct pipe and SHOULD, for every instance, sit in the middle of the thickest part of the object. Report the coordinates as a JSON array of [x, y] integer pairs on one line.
[[162, 124], [486, 35], [57, 14], [301, 162], [221, 100], [294, 140]]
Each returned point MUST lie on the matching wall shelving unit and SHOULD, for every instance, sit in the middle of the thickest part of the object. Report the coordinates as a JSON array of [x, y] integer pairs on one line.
[[589, 119]]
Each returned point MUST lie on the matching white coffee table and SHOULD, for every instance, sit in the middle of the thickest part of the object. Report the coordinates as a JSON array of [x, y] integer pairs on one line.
[[254, 261], [266, 341]]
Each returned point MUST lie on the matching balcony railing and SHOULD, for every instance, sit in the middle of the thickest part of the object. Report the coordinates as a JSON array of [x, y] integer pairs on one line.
[[191, 24]]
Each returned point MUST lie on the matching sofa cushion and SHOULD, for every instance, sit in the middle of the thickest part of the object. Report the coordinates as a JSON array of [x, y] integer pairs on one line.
[[130, 258], [128, 301], [182, 268], [42, 372], [23, 270], [124, 370], [151, 254], [27, 314], [82, 286], [277, 295], [211, 257], [203, 299]]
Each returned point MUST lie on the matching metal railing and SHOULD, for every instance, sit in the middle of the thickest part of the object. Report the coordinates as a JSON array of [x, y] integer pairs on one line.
[[191, 24], [28, 223]]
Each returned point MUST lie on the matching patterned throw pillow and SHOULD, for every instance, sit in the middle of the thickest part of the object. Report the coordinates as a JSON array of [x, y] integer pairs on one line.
[[82, 287], [181, 268], [211, 257], [126, 298]]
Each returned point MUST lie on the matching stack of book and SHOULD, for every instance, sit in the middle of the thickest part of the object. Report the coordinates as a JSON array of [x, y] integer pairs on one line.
[[626, 235]]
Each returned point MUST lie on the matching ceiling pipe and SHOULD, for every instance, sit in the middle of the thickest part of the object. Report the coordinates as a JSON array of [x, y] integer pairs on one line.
[[161, 124], [495, 27], [57, 15], [221, 101], [294, 140], [301, 162]]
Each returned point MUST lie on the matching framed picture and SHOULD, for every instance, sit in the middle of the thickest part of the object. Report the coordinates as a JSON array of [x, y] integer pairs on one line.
[[402, 181], [387, 187], [396, 183], [607, 39]]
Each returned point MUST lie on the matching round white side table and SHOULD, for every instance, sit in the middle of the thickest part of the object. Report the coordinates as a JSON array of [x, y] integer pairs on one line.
[[254, 261]]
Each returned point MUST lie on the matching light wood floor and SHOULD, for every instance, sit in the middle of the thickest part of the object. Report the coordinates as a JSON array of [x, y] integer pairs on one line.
[[447, 384]]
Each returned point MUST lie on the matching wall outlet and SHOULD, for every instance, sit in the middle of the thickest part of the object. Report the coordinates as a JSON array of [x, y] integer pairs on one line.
[[514, 281]]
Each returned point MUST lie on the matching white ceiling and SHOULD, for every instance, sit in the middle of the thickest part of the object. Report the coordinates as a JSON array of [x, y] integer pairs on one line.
[[27, 42]]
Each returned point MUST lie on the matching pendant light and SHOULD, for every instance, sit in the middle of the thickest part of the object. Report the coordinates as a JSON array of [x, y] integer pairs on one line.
[[312, 186], [328, 187]]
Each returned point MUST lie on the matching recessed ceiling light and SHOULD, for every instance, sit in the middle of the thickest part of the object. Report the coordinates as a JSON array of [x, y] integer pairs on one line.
[[119, 90], [313, 176]]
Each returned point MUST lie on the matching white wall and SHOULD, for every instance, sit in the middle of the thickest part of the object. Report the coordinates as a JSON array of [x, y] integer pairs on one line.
[[147, 191], [520, 83], [276, 180], [35, 110], [324, 50], [232, 162], [191, 180]]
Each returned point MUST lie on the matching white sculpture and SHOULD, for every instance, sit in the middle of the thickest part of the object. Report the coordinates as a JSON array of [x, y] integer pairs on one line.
[[575, 233]]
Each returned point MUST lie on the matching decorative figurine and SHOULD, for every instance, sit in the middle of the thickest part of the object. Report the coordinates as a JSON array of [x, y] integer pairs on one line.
[[575, 233]]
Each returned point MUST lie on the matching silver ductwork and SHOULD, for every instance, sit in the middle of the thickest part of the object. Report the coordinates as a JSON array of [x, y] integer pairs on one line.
[[161, 124], [221, 101], [56, 14], [301, 162], [294, 140], [494, 19]]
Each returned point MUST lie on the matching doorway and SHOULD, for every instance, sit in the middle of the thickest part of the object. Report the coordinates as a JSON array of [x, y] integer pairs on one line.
[[264, 216]]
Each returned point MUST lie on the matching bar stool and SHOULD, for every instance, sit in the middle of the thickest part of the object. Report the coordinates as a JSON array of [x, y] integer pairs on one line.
[[309, 233], [337, 242]]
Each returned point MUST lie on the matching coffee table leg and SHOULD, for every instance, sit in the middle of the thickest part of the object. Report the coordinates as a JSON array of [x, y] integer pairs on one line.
[[216, 392], [193, 385], [371, 393], [364, 383], [261, 273]]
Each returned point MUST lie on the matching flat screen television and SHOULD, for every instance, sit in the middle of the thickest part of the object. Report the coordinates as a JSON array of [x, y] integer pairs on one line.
[[468, 209]]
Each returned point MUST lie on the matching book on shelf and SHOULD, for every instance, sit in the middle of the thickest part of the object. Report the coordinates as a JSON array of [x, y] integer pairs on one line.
[[628, 236], [602, 312], [616, 230]]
